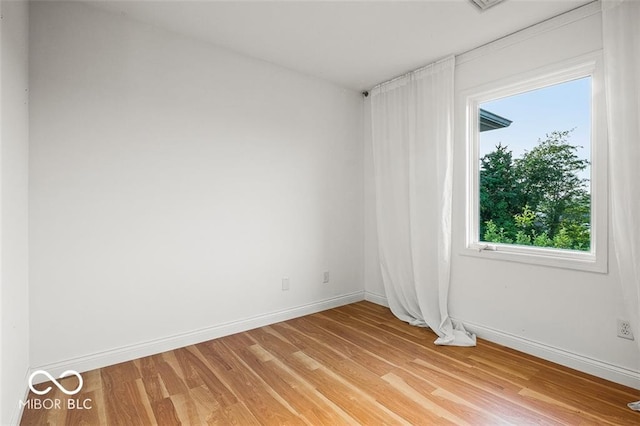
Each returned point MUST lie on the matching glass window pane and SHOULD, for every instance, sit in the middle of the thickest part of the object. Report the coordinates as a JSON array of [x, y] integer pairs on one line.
[[534, 150]]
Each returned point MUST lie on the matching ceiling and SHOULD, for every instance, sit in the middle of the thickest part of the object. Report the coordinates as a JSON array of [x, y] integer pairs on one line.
[[355, 44]]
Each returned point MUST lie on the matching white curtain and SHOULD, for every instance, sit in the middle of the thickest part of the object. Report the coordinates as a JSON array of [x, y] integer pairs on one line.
[[621, 40], [412, 131]]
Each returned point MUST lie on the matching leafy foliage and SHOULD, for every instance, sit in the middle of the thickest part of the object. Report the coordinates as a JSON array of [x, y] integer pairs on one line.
[[538, 199], [499, 195]]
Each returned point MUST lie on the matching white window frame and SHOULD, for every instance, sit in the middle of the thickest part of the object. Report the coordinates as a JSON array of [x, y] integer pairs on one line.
[[594, 260]]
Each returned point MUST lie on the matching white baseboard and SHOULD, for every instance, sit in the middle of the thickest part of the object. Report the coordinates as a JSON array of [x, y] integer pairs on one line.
[[578, 362], [18, 409], [98, 360], [376, 298], [139, 350], [582, 363]]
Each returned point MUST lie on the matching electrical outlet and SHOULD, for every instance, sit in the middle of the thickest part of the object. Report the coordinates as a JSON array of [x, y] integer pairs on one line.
[[624, 329], [285, 283], [325, 277]]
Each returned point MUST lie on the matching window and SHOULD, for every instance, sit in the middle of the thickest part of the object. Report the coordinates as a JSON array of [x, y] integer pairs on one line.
[[537, 168]]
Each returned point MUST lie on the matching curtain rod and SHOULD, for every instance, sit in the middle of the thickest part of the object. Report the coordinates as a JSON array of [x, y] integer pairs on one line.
[[384, 83]]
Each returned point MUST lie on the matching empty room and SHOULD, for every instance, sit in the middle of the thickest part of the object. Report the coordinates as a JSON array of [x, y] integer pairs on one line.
[[319, 212]]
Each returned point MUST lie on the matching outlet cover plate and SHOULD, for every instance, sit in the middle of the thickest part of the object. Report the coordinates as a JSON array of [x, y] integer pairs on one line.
[[624, 329]]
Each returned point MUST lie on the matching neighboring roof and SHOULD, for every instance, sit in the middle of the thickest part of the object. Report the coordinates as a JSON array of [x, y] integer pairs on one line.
[[491, 121]]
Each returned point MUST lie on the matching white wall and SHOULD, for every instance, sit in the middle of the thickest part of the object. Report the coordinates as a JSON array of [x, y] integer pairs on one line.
[[563, 315], [173, 185], [14, 148]]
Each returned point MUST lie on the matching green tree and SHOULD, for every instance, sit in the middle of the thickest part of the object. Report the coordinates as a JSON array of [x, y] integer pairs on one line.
[[499, 194], [494, 235], [548, 177], [538, 199]]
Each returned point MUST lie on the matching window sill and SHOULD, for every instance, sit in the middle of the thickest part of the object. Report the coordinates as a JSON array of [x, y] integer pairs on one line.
[[565, 259]]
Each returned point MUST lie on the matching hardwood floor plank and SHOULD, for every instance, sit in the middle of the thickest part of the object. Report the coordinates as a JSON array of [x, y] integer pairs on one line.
[[352, 365], [116, 374], [219, 390], [83, 415], [264, 407], [278, 345], [373, 385], [507, 404], [567, 412], [304, 339], [205, 402], [440, 412], [579, 400], [186, 409], [153, 385], [236, 414], [362, 378], [165, 412], [306, 361], [91, 381], [300, 394], [351, 400], [145, 403], [190, 373], [172, 382], [124, 404], [58, 416]]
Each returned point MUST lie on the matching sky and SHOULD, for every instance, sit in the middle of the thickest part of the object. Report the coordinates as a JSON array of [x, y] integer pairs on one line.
[[534, 114]]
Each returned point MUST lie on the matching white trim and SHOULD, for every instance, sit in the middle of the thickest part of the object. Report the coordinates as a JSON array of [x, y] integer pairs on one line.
[[551, 24], [378, 299], [138, 350], [589, 65], [578, 362], [18, 409]]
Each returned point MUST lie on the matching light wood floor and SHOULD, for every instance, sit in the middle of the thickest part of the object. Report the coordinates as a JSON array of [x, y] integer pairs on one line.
[[352, 365]]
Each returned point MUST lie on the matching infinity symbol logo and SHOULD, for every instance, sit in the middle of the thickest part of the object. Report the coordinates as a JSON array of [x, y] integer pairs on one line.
[[55, 382]]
